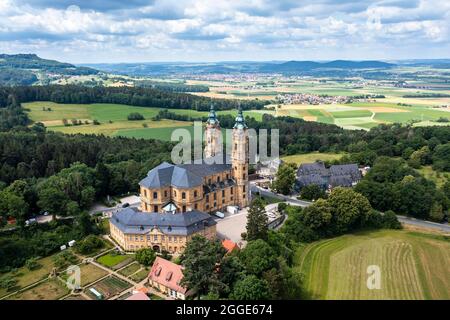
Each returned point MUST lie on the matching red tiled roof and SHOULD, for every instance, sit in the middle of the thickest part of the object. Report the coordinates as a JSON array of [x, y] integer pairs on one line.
[[229, 245], [168, 274], [138, 296]]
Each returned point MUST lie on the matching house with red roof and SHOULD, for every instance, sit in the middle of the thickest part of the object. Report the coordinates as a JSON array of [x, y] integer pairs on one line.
[[166, 276], [229, 245]]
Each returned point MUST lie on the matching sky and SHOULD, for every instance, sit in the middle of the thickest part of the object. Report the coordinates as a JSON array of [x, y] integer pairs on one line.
[[107, 31]]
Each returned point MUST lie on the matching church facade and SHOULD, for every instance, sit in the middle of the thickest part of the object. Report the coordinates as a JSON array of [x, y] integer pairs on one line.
[[177, 200]]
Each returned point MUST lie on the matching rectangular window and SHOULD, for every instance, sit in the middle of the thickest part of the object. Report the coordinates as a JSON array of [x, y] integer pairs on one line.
[[231, 190], [170, 239], [218, 179], [148, 237], [165, 193], [175, 239], [184, 208], [223, 193], [243, 189], [183, 195], [155, 237], [163, 237], [142, 238], [215, 196], [195, 193], [195, 206], [155, 195], [207, 198]]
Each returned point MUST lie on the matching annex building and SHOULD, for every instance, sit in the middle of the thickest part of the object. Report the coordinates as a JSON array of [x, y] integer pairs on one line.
[[177, 200]]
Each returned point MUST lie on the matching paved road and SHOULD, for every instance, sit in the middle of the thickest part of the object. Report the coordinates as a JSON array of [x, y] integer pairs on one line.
[[292, 200], [406, 220], [445, 227]]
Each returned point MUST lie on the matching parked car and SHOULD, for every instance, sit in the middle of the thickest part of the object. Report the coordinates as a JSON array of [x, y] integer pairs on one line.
[[125, 205], [219, 214]]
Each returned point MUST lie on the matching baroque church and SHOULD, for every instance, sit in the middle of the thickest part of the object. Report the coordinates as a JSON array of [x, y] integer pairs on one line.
[[177, 200]]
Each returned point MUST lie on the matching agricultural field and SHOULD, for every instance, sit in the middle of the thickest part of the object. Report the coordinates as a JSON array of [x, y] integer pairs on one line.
[[413, 265], [113, 119], [298, 159], [359, 115]]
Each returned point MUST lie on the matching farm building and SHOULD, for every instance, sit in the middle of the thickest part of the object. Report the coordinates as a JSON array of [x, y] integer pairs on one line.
[[344, 175]]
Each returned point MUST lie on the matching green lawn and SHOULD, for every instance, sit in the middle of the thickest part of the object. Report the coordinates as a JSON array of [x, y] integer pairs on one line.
[[413, 266], [311, 157], [111, 260]]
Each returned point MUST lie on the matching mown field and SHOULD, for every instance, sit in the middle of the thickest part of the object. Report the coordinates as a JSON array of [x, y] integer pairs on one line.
[[113, 119], [311, 157], [357, 115], [413, 266]]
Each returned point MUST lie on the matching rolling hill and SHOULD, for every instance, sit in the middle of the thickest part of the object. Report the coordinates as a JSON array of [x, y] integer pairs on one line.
[[27, 69]]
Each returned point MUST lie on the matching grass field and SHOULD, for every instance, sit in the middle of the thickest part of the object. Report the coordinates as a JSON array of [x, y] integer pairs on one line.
[[130, 269], [311, 157], [51, 289], [359, 115], [112, 260], [26, 277], [413, 266], [140, 275], [90, 273]]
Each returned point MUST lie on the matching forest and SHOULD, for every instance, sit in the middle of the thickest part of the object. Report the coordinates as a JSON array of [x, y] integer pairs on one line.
[[136, 96]]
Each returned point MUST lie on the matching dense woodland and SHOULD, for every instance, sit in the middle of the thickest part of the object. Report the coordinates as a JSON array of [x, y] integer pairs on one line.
[[171, 86], [143, 97]]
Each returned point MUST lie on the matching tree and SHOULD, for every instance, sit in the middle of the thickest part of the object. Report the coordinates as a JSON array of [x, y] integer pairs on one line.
[[251, 288], [312, 192], [52, 200], [390, 220], [200, 260], [436, 212], [32, 264], [350, 209], [284, 179], [135, 116], [257, 221], [145, 256], [13, 205], [89, 244], [258, 257], [318, 216], [8, 282]]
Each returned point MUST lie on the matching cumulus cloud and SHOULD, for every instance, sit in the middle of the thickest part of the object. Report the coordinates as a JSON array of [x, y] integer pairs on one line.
[[210, 30]]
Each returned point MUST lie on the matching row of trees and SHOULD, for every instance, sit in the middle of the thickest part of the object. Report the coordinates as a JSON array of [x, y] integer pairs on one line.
[[136, 96]]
